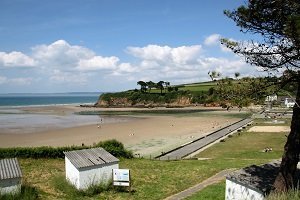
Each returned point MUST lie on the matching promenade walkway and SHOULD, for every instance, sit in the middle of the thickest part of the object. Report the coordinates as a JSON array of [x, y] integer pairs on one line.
[[196, 145]]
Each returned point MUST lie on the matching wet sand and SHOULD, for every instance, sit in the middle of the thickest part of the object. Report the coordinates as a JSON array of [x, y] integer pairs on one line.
[[143, 134]]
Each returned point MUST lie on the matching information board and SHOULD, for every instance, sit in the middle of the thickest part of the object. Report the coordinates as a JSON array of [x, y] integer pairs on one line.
[[121, 177]]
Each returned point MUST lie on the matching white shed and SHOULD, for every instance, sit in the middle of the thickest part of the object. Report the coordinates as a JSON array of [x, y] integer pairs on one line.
[[251, 183], [10, 176], [89, 167]]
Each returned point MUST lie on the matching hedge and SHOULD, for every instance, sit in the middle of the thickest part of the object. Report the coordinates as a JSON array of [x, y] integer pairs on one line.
[[114, 147]]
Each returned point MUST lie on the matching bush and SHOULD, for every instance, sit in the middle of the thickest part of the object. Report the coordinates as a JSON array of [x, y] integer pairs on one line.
[[37, 152], [116, 148]]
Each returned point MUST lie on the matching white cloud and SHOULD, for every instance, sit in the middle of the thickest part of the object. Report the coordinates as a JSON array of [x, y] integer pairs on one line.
[[60, 54], [98, 63], [15, 81], [224, 48], [183, 64], [150, 52], [16, 59], [62, 63], [212, 40], [126, 67], [185, 54], [59, 77], [166, 54]]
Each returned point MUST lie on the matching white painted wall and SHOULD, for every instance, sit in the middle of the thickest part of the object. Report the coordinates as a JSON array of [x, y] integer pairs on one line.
[[72, 173], [84, 177], [12, 185], [236, 191], [96, 174]]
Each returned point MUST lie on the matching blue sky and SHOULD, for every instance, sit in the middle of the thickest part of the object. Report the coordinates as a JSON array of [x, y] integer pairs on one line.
[[109, 45]]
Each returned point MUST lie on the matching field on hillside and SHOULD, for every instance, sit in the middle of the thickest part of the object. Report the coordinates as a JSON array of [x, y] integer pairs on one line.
[[198, 87], [192, 87]]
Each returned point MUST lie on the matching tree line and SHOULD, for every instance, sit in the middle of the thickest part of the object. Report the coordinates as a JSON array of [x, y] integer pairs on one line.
[[161, 85]]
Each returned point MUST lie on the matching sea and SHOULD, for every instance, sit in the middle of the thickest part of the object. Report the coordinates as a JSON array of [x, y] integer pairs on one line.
[[14, 120], [45, 99]]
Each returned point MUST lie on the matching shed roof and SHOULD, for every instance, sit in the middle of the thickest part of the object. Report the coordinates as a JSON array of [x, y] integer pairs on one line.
[[259, 178], [10, 168], [90, 157]]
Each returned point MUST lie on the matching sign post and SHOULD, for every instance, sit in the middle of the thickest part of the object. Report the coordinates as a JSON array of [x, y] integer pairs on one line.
[[121, 177]]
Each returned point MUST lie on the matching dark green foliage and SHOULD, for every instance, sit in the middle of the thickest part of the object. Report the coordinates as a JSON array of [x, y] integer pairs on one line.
[[36, 152], [57, 152], [116, 148], [138, 97]]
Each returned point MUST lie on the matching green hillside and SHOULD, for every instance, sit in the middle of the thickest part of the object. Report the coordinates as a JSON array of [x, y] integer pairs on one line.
[[165, 94], [161, 94]]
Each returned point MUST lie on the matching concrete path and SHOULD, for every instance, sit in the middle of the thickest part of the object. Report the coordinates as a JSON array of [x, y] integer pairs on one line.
[[192, 190], [183, 151]]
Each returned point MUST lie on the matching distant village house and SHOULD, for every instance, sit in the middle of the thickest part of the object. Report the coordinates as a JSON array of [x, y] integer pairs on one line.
[[89, 167]]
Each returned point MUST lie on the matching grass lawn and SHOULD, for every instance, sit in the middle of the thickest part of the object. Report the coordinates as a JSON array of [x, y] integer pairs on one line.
[[247, 146], [160, 179], [215, 192], [151, 179]]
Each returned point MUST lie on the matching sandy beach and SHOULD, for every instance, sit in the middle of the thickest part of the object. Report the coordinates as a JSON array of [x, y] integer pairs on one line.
[[143, 134]]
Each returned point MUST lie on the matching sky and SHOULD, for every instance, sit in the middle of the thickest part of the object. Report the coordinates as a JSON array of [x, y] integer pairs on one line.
[[110, 45]]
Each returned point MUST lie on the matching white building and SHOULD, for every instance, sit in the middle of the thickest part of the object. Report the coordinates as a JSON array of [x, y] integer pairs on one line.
[[271, 98], [289, 102], [89, 167], [10, 176], [251, 183]]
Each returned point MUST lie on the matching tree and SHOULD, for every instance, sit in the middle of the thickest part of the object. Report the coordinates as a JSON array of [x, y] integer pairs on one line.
[[143, 85], [245, 91], [150, 85], [214, 75], [278, 50], [167, 84], [160, 85], [237, 75]]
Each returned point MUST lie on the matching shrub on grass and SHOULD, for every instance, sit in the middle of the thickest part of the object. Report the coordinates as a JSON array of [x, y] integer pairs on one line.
[[116, 148]]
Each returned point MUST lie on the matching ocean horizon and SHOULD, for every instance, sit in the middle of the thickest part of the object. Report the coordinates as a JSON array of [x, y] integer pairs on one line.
[[14, 120], [44, 99]]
